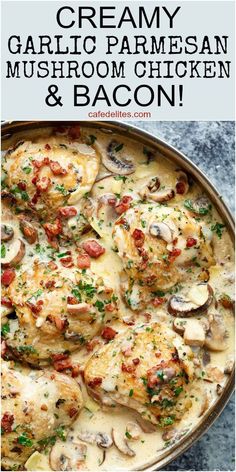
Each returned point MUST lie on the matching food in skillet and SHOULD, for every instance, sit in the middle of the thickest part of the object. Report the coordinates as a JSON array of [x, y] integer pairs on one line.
[[37, 407], [57, 311], [123, 282], [141, 369]]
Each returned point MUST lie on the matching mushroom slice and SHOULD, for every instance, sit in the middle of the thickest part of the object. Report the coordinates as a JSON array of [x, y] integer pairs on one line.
[[146, 426], [162, 231], [7, 233], [196, 303], [103, 440], [216, 335], [67, 456], [121, 443], [132, 430], [194, 334], [152, 191], [179, 325], [182, 185], [113, 160], [30, 233], [200, 206], [14, 255], [163, 195]]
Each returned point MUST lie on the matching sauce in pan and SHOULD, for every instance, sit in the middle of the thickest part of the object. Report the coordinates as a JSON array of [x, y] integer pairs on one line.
[[117, 302]]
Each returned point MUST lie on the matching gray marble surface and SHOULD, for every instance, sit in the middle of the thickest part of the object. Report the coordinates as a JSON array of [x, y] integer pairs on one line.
[[210, 145]]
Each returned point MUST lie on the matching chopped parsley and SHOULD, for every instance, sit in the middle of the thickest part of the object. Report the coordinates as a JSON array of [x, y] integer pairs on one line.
[[61, 189], [200, 211], [24, 440], [27, 169], [218, 229], [5, 329], [3, 250], [131, 392], [120, 177]]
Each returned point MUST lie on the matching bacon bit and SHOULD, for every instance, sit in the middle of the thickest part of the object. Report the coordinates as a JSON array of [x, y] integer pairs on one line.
[[91, 344], [52, 265], [61, 362], [136, 361], [7, 277], [50, 284], [74, 132], [108, 333], [121, 221], [47, 147], [95, 382], [44, 407], [93, 248], [53, 229], [174, 242], [35, 308], [138, 237], [43, 183], [67, 261], [123, 205], [180, 187], [22, 185], [158, 353], [83, 261], [110, 307], [59, 323], [35, 198], [39, 164], [30, 233], [147, 316], [3, 348], [7, 422], [127, 368], [6, 302], [157, 301], [227, 302], [67, 212], [112, 201], [75, 370], [72, 412], [173, 254], [191, 242], [72, 300], [56, 168]]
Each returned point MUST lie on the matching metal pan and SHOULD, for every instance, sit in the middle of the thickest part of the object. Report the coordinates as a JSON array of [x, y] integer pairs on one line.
[[168, 151]]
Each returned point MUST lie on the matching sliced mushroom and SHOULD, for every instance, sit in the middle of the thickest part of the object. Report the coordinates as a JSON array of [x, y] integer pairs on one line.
[[196, 303], [152, 191], [121, 443], [219, 389], [132, 430], [201, 206], [146, 426], [182, 185], [214, 374], [179, 325], [216, 335], [7, 233], [30, 233], [162, 231], [67, 456], [206, 357], [14, 255], [103, 440], [194, 334], [113, 160]]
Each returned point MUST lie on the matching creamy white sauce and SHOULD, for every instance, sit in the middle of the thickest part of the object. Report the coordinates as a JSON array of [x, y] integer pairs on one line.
[[150, 446]]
